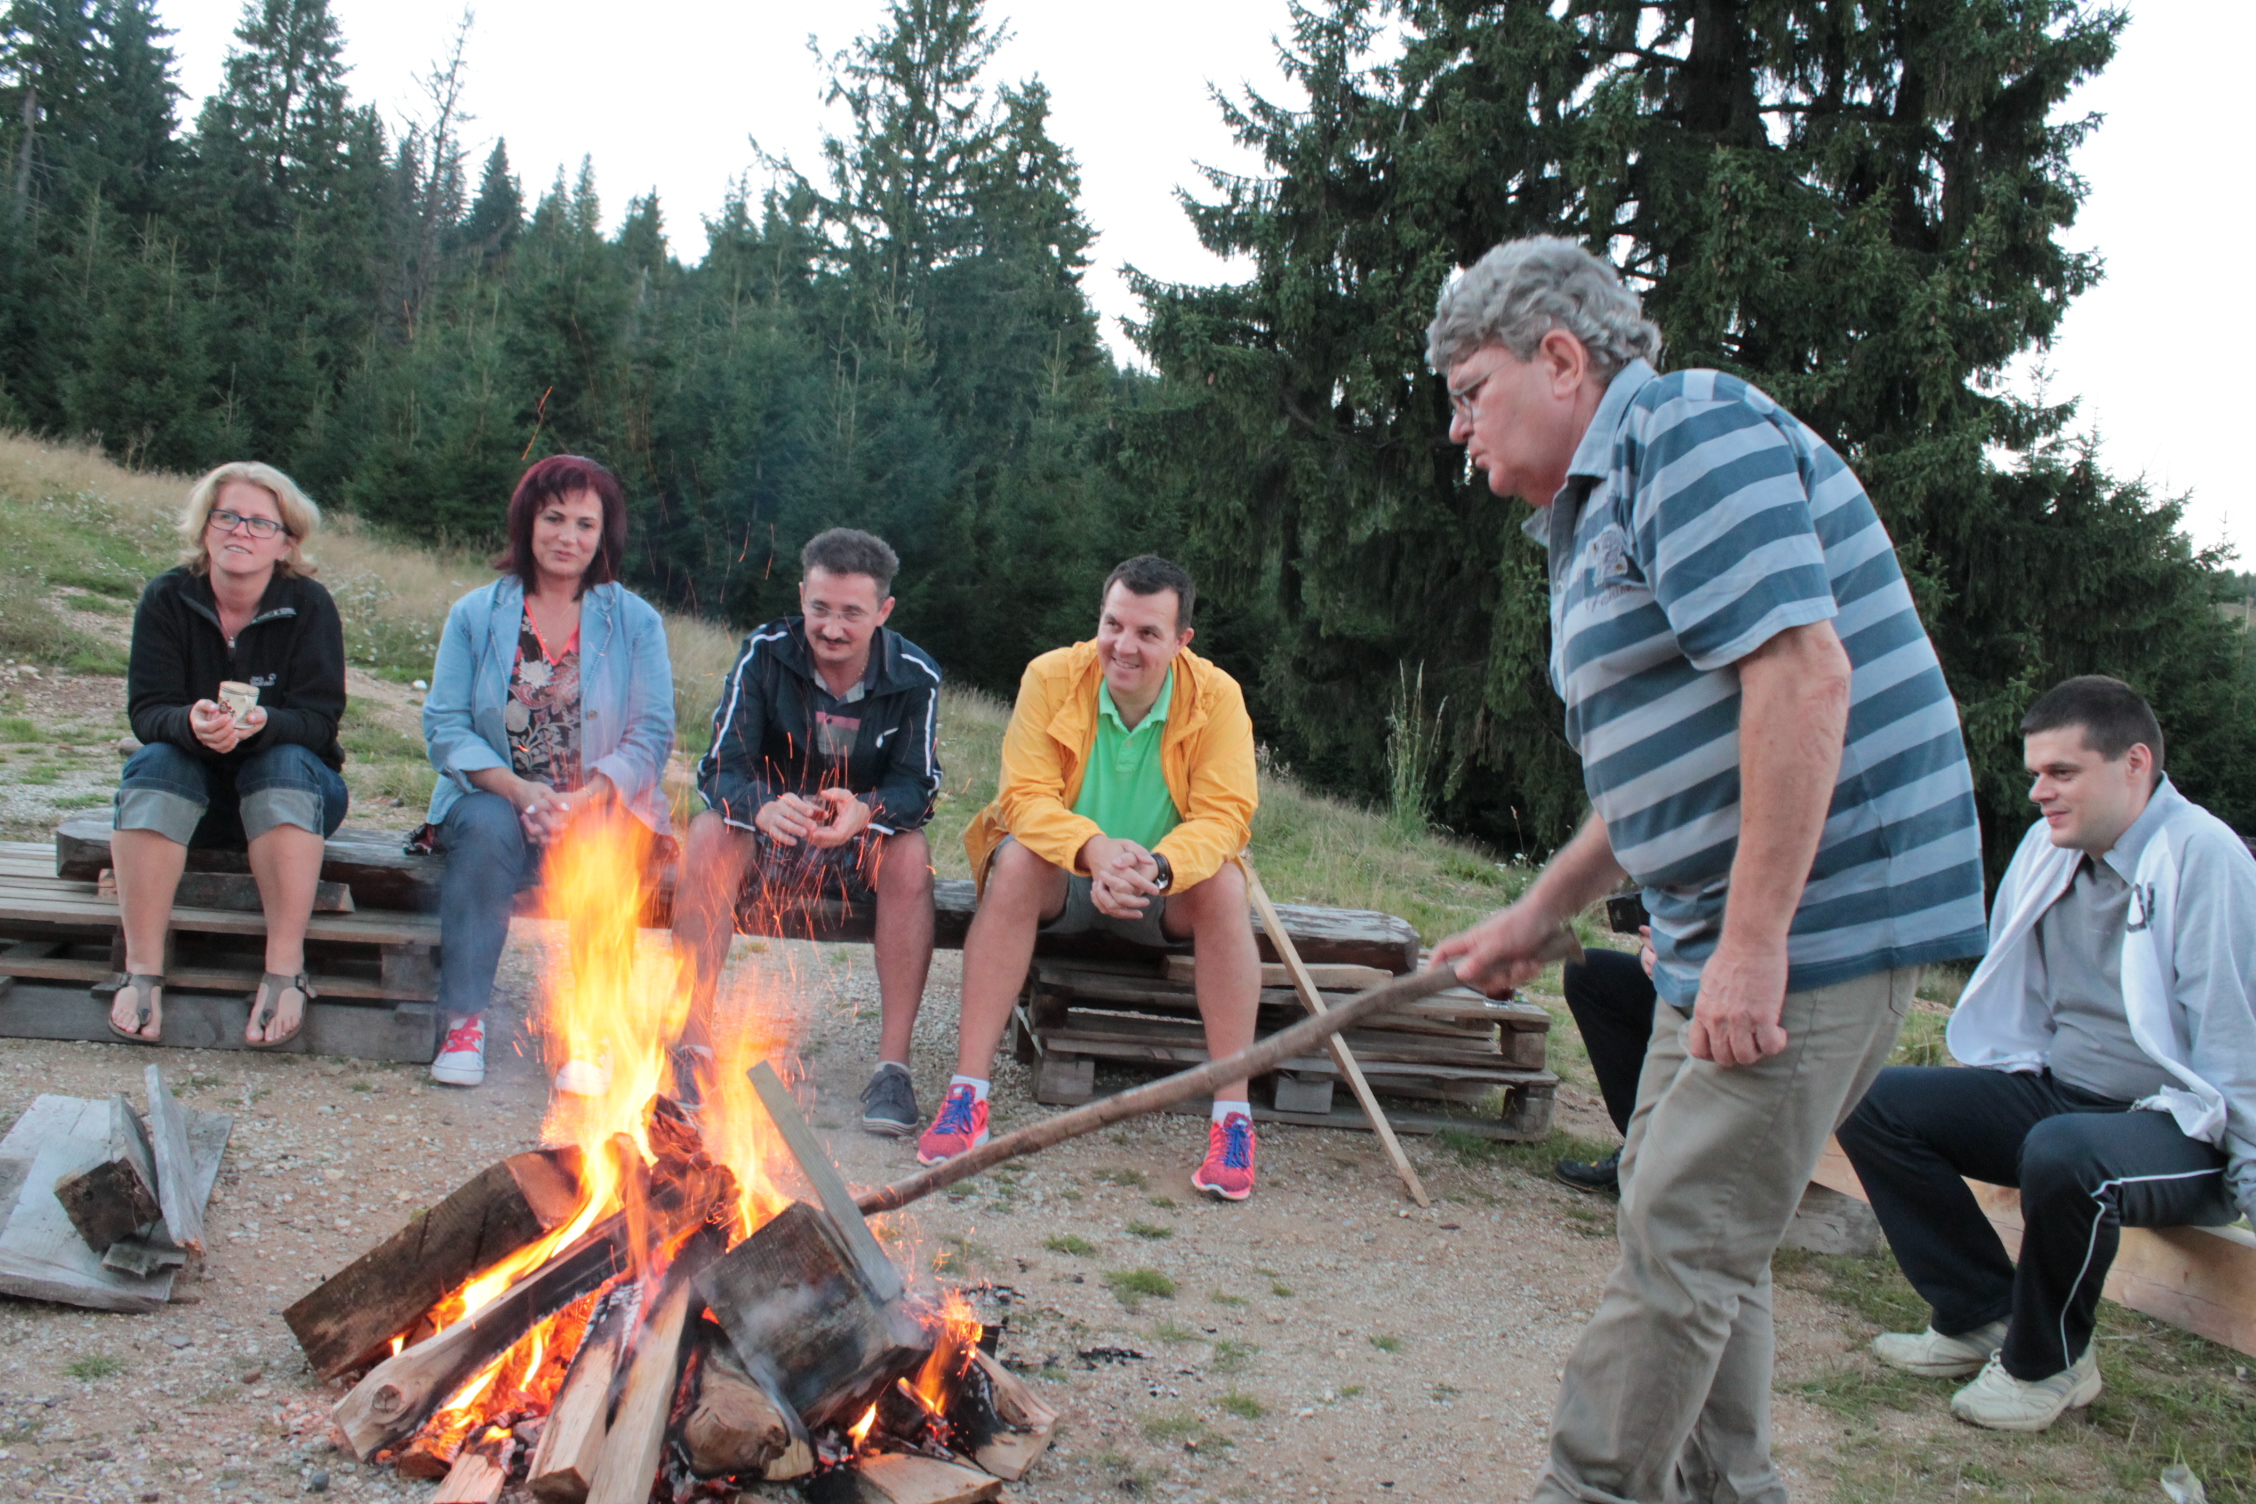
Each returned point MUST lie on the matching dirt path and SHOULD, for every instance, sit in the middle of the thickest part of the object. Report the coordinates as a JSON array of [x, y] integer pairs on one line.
[[1325, 1341]]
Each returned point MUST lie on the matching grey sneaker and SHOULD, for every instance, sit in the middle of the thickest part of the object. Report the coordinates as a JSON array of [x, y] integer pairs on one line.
[[1939, 1357], [2000, 1402], [889, 1104]]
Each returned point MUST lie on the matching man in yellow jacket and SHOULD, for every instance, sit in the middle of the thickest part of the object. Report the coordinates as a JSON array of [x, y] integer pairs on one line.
[[1127, 793]]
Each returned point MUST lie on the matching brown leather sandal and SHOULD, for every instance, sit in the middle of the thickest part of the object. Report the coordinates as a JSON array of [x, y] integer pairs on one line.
[[140, 984], [267, 1001]]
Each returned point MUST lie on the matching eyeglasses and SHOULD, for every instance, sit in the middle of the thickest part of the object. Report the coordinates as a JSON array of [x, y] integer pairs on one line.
[[1461, 399], [257, 527]]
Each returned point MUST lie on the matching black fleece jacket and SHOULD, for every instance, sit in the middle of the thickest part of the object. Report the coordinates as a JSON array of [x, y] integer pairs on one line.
[[764, 740], [293, 650]]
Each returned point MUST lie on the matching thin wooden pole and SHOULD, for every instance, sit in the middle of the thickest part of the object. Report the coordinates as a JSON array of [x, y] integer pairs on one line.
[[1200, 1080], [1313, 1001]]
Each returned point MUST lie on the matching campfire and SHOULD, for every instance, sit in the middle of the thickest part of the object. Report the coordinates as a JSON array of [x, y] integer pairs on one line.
[[643, 1310]]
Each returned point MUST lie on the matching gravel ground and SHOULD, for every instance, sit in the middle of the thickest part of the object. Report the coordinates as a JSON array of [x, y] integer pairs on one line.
[[1326, 1341]]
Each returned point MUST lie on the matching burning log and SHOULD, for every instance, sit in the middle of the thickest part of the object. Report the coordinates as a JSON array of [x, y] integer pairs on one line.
[[563, 1464], [905, 1478], [733, 1427], [791, 1298], [1024, 1435], [479, 1470], [345, 1322], [1257, 1059], [637, 1436], [117, 1197], [398, 1394]]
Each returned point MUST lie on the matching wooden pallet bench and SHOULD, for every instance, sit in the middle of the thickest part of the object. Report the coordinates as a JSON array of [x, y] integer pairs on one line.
[[2200, 1278], [1458, 1050], [374, 970]]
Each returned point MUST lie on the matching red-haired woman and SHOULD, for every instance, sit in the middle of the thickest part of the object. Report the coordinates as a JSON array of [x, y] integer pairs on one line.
[[552, 690]]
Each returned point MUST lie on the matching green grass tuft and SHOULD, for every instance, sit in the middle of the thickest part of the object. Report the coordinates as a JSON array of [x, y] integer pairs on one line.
[[1066, 1242], [94, 1366], [1244, 1406], [1386, 1342], [1131, 1286], [1152, 1230]]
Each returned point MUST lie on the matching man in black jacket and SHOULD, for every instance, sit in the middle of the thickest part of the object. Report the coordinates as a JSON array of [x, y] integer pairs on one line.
[[821, 776]]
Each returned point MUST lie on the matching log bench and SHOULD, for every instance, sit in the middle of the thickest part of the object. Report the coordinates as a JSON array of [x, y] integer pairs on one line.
[[2200, 1278]]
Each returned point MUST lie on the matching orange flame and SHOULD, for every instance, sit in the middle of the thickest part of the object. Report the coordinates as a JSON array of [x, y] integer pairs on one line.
[[960, 1331], [860, 1430]]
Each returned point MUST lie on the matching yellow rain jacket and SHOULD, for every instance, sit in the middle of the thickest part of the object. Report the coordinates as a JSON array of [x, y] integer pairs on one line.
[[1206, 757]]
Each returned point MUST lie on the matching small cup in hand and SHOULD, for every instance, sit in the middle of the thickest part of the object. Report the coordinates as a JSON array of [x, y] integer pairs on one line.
[[239, 698]]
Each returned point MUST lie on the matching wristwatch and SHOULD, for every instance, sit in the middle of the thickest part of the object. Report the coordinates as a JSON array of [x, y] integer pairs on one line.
[[1164, 878]]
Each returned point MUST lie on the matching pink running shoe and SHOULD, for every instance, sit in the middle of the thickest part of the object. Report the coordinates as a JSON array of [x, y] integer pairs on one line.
[[961, 1126], [1228, 1171]]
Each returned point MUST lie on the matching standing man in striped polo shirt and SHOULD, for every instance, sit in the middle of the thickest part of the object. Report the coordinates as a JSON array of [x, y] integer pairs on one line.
[[1771, 751]]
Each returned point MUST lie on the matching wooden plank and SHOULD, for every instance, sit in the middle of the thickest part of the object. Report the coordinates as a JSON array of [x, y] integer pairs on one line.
[[1279, 974], [41, 1255], [373, 864], [1089, 1024], [876, 1267], [908, 1478], [480, 1469], [54, 903], [230, 890], [571, 1439], [1008, 1454], [1079, 979], [637, 1434], [345, 1322], [212, 978], [406, 1032], [2200, 1278], [115, 1197], [176, 1168]]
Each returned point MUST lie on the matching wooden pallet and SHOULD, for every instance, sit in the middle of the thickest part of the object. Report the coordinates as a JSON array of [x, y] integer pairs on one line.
[[375, 971], [1457, 1049]]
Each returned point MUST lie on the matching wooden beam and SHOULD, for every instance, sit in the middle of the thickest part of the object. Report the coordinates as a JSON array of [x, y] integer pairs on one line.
[[344, 1322], [877, 1269], [372, 863], [563, 1465], [480, 1469], [1278, 974], [908, 1478], [1313, 1001], [2200, 1278]]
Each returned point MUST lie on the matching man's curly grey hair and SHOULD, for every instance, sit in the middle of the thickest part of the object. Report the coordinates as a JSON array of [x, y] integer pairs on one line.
[[1524, 289]]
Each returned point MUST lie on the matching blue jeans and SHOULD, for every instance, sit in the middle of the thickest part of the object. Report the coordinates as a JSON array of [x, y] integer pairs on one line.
[[208, 804], [489, 862]]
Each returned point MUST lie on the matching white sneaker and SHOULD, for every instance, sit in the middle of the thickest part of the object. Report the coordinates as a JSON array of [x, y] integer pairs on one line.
[[1999, 1401], [584, 1078], [1937, 1356], [461, 1060]]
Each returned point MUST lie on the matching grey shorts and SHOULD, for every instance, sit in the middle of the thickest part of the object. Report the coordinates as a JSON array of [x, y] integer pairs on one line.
[[1081, 916]]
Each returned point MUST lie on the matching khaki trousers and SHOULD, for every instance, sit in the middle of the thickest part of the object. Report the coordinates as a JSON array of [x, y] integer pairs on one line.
[[1667, 1397]]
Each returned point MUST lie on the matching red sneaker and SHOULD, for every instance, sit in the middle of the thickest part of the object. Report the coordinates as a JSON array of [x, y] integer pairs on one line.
[[1228, 1171], [961, 1126], [461, 1060]]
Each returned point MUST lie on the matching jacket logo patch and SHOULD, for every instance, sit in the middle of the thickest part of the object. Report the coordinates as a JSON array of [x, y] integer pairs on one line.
[[263, 681], [2142, 908]]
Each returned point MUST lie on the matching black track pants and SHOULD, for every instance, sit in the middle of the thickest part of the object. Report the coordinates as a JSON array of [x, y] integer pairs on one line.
[[2086, 1167]]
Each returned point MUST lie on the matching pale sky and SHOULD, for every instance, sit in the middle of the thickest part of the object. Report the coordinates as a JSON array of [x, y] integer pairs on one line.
[[671, 101]]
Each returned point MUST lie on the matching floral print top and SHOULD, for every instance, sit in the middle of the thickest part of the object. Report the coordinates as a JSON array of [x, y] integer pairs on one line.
[[543, 713]]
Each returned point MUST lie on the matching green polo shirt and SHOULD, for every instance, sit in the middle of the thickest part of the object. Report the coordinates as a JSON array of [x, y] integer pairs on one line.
[[1124, 790]]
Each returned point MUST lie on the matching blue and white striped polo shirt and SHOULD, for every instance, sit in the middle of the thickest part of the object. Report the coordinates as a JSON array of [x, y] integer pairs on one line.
[[1709, 520]]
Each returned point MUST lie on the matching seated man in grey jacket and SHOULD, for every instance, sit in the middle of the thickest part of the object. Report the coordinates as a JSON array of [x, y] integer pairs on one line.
[[2114, 1055]]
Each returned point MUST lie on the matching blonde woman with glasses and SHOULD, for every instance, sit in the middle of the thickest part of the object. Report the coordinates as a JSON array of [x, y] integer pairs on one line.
[[235, 687]]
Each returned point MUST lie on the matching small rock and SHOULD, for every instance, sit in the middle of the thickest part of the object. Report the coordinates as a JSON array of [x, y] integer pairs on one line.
[[178, 1340], [253, 1375], [418, 684], [1305, 1412], [99, 1454], [318, 1483]]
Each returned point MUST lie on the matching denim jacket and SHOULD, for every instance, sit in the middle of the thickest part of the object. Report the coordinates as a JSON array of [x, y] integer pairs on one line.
[[626, 694]]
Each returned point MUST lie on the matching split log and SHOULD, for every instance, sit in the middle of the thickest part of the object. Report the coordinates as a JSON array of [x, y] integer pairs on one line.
[[480, 1469], [183, 1208], [793, 1303], [142, 1257], [572, 1438], [636, 1440], [345, 1322], [906, 1478], [1257, 1059], [116, 1198], [1008, 1454], [734, 1426], [399, 1394]]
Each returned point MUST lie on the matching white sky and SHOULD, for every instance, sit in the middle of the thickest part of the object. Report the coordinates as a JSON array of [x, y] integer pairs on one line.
[[671, 101]]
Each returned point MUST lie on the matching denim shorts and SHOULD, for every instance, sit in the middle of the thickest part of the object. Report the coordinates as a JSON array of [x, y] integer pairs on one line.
[[209, 804], [787, 876]]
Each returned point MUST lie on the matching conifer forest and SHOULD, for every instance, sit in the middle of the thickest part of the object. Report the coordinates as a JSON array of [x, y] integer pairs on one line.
[[1863, 209]]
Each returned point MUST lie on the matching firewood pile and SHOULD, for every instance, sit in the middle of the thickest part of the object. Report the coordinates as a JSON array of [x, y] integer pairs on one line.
[[530, 1332]]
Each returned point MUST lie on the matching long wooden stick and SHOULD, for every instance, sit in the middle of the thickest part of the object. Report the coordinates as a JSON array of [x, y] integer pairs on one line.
[[1313, 1001], [1261, 1056]]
